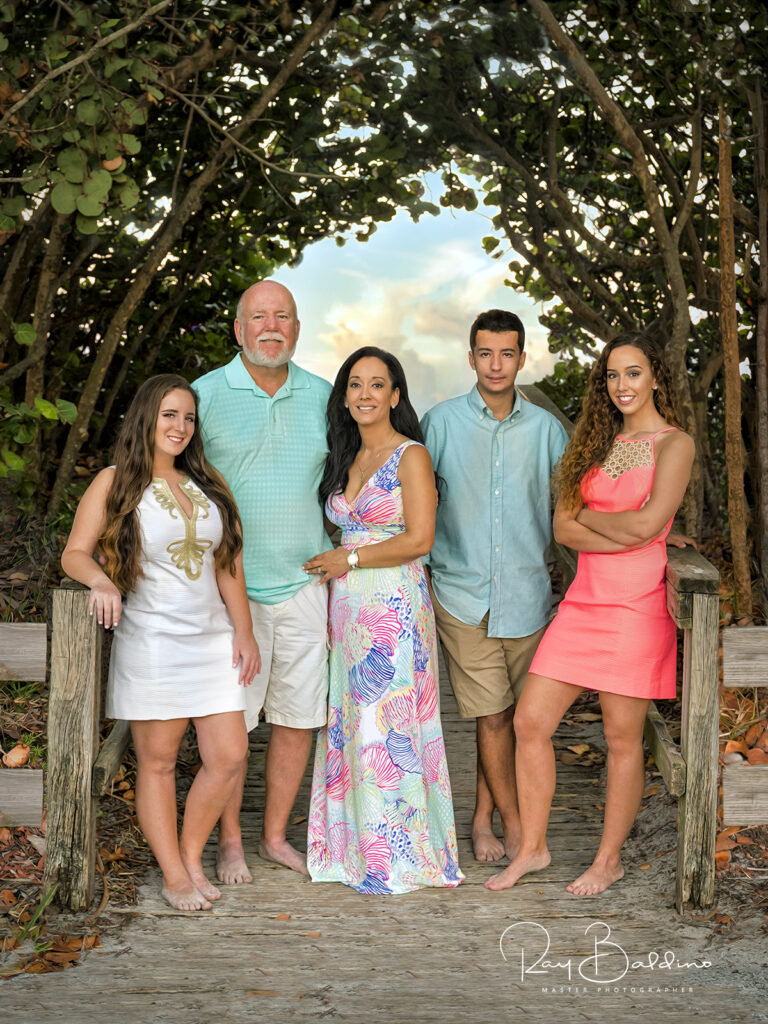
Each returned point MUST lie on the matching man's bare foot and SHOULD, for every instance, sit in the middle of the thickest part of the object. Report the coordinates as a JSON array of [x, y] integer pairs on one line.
[[596, 879], [231, 868], [520, 866], [187, 899], [201, 883], [283, 853], [485, 844]]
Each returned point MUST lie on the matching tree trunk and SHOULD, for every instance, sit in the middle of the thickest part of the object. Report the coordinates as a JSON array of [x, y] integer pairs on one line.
[[761, 345], [734, 460]]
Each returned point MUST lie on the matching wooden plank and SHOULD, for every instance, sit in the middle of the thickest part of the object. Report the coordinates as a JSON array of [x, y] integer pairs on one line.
[[688, 571], [745, 794], [23, 647], [680, 606], [665, 752], [21, 797], [745, 656], [110, 757], [73, 717], [697, 807]]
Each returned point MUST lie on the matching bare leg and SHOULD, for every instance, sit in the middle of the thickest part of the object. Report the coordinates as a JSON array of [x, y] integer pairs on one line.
[[623, 721], [484, 843], [496, 754], [230, 856], [223, 743], [157, 744], [287, 756], [542, 705]]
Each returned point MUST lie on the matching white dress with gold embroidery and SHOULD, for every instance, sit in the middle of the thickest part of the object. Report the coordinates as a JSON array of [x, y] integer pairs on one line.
[[172, 651]]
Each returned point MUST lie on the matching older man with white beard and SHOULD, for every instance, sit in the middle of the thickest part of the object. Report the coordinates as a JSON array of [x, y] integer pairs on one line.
[[263, 425]]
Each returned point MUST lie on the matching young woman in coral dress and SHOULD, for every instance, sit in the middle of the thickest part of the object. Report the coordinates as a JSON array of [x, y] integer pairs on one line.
[[619, 485], [381, 816]]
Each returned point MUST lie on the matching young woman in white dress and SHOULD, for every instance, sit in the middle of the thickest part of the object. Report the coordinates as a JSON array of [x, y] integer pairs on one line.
[[171, 585]]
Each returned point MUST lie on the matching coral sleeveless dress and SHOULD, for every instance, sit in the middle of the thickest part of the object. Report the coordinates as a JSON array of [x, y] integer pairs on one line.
[[612, 630]]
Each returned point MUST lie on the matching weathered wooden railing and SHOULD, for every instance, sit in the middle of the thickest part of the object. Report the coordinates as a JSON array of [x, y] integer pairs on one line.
[[77, 772], [23, 647], [690, 769]]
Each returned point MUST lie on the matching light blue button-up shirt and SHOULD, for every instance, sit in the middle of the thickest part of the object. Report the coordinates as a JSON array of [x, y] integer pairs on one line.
[[271, 451], [494, 520]]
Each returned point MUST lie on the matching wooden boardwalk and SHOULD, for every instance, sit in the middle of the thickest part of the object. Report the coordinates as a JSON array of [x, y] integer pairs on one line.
[[283, 949]]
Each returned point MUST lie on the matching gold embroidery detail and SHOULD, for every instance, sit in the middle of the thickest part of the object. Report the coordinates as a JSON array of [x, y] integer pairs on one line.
[[186, 554], [626, 455]]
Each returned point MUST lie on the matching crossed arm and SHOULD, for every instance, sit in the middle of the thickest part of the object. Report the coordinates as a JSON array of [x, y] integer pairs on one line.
[[585, 530]]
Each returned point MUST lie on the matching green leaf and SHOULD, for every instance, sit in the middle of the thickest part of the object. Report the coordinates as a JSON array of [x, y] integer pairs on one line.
[[35, 185], [87, 225], [13, 461], [13, 206], [64, 197], [24, 334], [3, 43], [489, 243], [88, 111], [46, 409], [130, 143], [98, 184], [90, 206], [7, 223], [24, 434], [67, 410], [129, 195], [73, 163]]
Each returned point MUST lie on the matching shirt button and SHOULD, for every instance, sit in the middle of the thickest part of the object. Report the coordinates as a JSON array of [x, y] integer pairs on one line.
[[495, 492], [495, 520], [494, 579], [496, 550], [497, 462]]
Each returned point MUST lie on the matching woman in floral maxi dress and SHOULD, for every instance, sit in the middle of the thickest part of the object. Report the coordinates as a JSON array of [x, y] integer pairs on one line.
[[381, 815]]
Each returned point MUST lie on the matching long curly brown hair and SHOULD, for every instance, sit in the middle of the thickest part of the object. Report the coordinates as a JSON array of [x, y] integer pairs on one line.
[[600, 421], [120, 543]]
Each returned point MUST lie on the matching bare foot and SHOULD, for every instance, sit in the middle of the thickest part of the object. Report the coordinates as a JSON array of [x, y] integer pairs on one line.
[[283, 853], [512, 839], [231, 868], [596, 879], [485, 844], [188, 899], [201, 883], [520, 866]]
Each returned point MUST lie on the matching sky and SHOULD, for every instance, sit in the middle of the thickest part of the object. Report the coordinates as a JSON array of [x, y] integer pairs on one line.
[[413, 289]]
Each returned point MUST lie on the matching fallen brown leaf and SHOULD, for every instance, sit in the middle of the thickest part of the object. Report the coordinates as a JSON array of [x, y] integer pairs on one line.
[[724, 842], [745, 840], [282, 917], [17, 757], [736, 747], [644, 867], [651, 791], [722, 859], [5, 835], [580, 748], [757, 756]]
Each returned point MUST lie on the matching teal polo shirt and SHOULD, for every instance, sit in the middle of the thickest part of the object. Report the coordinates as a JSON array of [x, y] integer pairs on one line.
[[494, 520], [271, 451]]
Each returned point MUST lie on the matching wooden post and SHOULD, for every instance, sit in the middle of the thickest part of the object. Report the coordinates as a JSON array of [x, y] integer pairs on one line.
[[697, 807], [73, 743]]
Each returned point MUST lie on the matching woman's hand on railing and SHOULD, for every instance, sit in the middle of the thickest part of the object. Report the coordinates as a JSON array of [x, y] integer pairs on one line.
[[106, 600], [681, 540]]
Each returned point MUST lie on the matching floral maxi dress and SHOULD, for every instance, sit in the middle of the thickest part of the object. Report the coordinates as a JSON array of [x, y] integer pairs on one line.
[[381, 815]]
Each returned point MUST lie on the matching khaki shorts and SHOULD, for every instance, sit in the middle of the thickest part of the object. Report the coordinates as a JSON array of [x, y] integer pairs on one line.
[[292, 686], [487, 673]]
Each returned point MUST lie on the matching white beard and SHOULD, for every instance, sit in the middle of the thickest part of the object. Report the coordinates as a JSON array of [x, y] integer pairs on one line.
[[255, 358]]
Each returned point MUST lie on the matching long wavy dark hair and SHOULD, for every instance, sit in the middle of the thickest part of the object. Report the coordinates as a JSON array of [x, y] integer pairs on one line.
[[600, 421], [120, 543], [343, 433]]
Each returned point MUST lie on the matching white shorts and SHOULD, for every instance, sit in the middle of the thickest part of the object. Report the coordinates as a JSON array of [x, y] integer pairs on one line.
[[292, 686]]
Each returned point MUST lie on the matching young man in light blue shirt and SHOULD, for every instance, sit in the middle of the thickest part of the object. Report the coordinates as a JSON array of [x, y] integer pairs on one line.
[[263, 426], [494, 454]]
